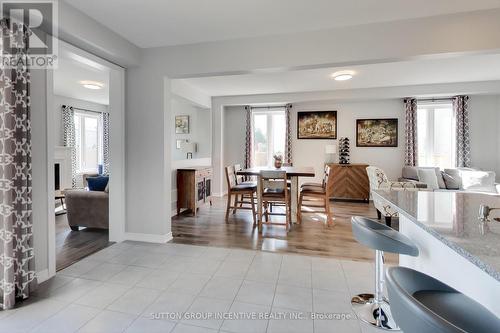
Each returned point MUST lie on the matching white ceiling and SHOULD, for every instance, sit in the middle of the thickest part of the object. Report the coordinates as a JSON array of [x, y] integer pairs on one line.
[[151, 23], [449, 70], [71, 71]]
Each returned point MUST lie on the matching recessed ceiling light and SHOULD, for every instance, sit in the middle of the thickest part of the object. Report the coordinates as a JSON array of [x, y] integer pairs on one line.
[[94, 85], [343, 75]]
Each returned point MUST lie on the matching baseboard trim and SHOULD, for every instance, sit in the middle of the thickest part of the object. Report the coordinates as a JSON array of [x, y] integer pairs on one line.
[[42, 276], [149, 238]]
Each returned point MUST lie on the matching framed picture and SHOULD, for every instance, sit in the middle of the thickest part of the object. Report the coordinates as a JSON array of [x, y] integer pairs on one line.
[[181, 124], [377, 132], [317, 125]]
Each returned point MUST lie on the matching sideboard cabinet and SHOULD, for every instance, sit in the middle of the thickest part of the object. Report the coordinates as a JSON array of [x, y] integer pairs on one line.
[[194, 188], [350, 181]]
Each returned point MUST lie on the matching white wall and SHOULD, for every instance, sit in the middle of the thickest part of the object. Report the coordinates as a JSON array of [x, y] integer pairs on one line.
[[484, 113], [312, 152], [59, 101]]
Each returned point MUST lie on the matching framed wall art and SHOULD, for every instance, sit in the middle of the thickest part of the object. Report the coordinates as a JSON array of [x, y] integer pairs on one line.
[[377, 132], [317, 125], [181, 124]]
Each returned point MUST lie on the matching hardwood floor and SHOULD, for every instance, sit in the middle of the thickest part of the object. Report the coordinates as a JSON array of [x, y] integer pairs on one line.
[[312, 237], [72, 246]]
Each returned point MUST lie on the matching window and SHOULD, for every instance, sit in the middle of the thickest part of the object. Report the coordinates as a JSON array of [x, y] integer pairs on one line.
[[269, 134], [88, 135], [436, 135]]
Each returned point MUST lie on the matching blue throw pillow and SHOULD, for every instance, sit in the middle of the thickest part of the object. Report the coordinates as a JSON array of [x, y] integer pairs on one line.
[[97, 183]]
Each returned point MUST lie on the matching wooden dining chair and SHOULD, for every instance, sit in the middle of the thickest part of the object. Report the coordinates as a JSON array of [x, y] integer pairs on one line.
[[239, 192], [274, 190], [243, 180], [326, 171], [317, 197]]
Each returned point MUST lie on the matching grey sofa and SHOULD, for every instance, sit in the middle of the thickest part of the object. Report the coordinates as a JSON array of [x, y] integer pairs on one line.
[[87, 208]]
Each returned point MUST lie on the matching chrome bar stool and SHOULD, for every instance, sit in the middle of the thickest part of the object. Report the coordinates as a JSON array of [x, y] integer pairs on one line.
[[374, 309], [421, 304]]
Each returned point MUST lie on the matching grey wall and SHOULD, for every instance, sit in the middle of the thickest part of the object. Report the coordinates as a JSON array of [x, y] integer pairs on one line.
[[199, 129]]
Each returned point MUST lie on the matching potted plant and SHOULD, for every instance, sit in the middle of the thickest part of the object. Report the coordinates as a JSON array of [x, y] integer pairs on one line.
[[278, 160]]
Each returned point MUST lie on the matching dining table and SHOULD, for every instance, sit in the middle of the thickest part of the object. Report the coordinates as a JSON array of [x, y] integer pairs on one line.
[[292, 173]]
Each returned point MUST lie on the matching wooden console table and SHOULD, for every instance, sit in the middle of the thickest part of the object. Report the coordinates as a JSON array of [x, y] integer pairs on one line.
[[194, 188], [350, 181]]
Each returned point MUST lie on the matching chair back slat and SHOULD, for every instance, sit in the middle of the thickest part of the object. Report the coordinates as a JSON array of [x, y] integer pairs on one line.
[[230, 177], [239, 178], [273, 179], [326, 174]]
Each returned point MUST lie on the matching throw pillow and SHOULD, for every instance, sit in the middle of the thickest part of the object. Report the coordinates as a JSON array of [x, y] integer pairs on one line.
[[478, 181], [452, 182], [97, 183], [428, 176]]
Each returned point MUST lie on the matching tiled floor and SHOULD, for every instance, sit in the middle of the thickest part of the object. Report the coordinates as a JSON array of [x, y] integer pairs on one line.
[[129, 287]]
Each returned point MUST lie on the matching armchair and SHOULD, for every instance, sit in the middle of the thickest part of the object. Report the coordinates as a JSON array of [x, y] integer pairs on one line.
[[379, 181]]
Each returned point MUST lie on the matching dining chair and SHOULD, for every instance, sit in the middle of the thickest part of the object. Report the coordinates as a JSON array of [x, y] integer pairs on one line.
[[274, 190], [239, 192], [240, 179], [326, 171], [314, 196]]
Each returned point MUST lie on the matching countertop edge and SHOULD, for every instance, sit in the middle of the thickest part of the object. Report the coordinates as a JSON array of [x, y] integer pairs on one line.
[[458, 249]]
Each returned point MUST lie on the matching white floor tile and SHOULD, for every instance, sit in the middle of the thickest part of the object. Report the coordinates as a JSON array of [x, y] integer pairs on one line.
[[158, 279], [144, 325], [103, 295], [295, 277], [261, 274], [233, 268], [108, 322], [344, 326], [329, 280], [288, 325], [72, 291], [325, 301], [244, 256], [68, 320], [215, 253], [256, 293], [203, 266], [30, 315], [80, 267], [221, 288], [134, 301], [167, 304], [294, 298], [250, 325], [207, 306], [183, 328], [103, 272], [130, 275], [189, 283]]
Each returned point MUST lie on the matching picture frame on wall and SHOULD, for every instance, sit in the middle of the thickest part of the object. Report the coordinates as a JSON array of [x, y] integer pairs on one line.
[[182, 124], [377, 132], [317, 125]]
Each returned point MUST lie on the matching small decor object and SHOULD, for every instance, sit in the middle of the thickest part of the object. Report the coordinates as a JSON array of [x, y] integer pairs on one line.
[[344, 151], [189, 148], [278, 161], [317, 125], [377, 132], [181, 124], [330, 151]]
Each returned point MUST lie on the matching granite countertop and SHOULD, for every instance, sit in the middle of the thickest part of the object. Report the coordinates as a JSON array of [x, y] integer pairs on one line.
[[452, 217]]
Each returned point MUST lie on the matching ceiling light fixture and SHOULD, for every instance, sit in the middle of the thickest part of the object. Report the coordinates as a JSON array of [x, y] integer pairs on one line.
[[343, 75], [94, 85]]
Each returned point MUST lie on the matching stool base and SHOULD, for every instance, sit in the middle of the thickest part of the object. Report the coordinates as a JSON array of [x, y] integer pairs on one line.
[[368, 311]]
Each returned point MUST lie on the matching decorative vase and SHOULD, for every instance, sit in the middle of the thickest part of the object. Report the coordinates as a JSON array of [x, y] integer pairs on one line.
[[278, 163]]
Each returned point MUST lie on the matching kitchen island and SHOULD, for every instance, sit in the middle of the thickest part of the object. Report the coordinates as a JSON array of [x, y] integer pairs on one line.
[[453, 246]]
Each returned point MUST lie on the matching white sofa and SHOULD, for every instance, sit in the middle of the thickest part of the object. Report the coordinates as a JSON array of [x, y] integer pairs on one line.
[[459, 179]]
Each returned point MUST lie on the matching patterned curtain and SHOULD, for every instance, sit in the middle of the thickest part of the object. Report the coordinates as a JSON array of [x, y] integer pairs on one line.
[[288, 139], [461, 110], [248, 137], [411, 151], [17, 262], [69, 138], [105, 142]]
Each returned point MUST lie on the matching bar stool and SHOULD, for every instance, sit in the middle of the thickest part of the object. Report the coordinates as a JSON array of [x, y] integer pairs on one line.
[[374, 309], [421, 304]]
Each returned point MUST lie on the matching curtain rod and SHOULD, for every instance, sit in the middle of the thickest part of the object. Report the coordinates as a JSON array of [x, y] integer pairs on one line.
[[82, 109], [268, 107], [435, 99]]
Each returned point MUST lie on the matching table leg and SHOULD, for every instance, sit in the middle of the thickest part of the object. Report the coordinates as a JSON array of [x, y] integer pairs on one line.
[[295, 198], [259, 205]]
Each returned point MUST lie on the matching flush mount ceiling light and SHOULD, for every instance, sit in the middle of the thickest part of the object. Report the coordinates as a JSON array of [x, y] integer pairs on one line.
[[94, 85], [343, 75]]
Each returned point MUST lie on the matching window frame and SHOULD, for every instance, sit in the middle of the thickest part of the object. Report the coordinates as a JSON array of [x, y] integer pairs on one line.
[[82, 114], [269, 112], [430, 130]]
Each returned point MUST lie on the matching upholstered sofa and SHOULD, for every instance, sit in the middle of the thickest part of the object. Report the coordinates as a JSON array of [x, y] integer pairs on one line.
[[87, 209], [458, 179], [379, 181]]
